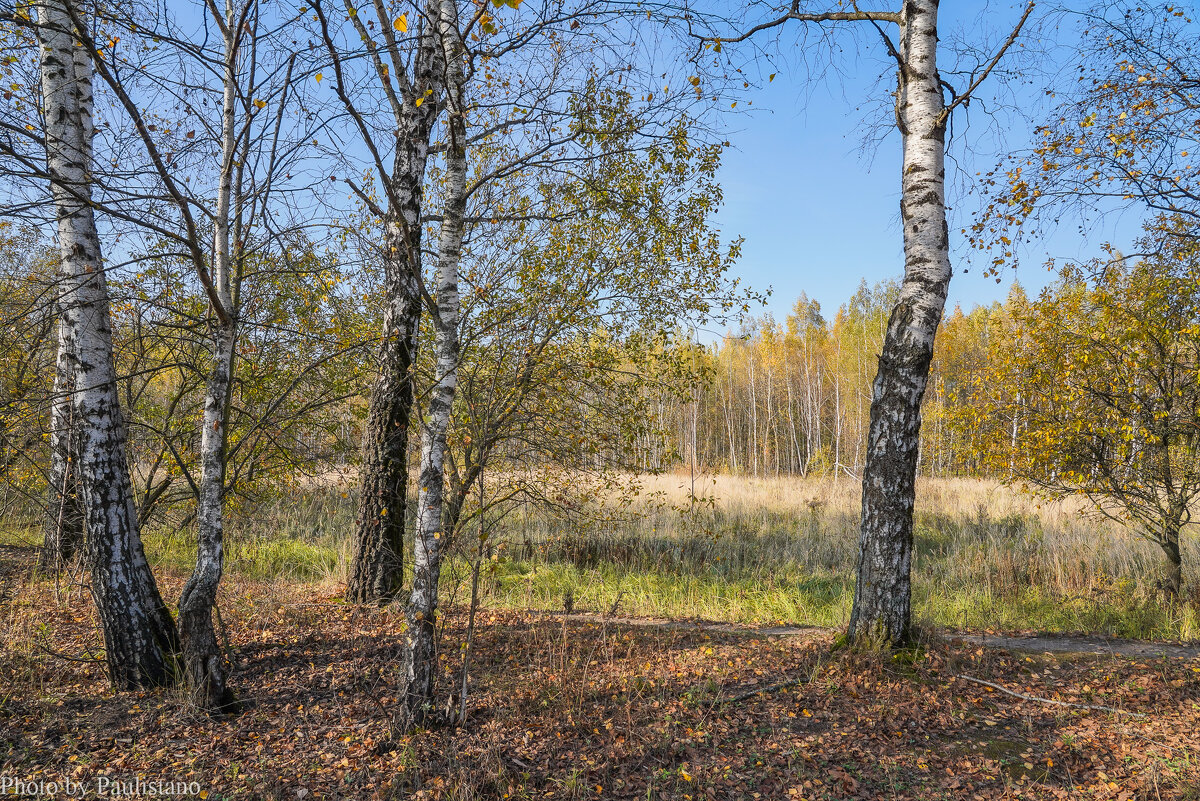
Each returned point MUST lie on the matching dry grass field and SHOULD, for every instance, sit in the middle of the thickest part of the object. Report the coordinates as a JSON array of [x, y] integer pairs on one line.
[[757, 551], [783, 549]]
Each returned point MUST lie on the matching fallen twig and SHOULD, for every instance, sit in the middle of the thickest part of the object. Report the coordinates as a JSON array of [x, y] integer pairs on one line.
[[770, 688], [89, 659], [617, 603], [1041, 700]]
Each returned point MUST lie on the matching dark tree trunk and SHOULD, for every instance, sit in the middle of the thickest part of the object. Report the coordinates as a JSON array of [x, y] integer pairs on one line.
[[377, 570], [1173, 576], [376, 573], [882, 593]]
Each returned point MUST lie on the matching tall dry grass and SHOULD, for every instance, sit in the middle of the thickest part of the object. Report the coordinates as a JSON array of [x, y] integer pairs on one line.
[[783, 549], [767, 550]]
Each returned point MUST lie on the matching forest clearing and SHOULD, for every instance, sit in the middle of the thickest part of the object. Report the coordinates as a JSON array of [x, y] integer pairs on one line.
[[514, 399]]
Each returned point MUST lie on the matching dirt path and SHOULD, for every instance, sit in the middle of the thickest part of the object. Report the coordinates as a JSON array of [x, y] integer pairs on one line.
[[1056, 644], [1065, 644]]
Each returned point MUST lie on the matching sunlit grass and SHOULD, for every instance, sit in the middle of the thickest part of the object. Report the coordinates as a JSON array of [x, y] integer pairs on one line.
[[766, 551]]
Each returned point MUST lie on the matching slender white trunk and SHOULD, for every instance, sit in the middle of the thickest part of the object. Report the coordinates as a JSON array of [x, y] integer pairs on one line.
[[204, 662], [795, 461], [882, 596], [753, 429], [139, 634], [838, 413], [420, 662]]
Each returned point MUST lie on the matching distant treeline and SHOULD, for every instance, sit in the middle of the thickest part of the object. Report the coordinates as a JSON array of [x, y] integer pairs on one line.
[[794, 397]]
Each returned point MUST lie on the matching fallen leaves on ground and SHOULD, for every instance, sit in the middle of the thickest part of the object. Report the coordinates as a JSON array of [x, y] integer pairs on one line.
[[580, 710]]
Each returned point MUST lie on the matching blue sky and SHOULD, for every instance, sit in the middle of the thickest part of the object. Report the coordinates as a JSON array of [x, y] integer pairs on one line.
[[819, 214]]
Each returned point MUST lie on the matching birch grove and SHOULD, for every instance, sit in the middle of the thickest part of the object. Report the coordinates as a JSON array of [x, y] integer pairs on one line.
[[444, 263], [216, 235]]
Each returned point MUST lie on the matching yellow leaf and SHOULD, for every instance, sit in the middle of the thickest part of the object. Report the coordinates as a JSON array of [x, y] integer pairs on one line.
[[401, 23], [420, 100], [318, 77], [260, 104]]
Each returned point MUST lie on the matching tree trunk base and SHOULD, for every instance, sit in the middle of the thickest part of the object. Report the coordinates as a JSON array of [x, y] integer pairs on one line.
[[203, 661], [376, 577], [204, 667], [417, 708]]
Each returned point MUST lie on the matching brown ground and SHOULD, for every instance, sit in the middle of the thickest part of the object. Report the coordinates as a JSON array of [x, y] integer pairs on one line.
[[587, 708]]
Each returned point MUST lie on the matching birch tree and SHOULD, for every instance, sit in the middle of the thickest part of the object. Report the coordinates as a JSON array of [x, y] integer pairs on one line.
[[64, 524], [569, 325], [1105, 386], [404, 77], [23, 149], [883, 588], [139, 634], [525, 84], [36, 373], [248, 151]]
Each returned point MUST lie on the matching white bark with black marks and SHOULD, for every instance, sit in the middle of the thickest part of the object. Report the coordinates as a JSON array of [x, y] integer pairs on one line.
[[204, 662], [882, 594], [139, 634], [64, 531], [420, 658]]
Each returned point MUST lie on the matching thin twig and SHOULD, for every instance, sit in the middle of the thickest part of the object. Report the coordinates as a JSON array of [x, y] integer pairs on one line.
[[965, 97], [89, 660], [616, 604], [1041, 700], [770, 688]]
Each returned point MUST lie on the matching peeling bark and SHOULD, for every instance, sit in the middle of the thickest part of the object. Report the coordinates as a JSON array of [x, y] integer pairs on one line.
[[139, 634], [882, 593]]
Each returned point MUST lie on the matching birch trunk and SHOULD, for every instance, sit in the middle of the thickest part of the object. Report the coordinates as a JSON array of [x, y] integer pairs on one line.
[[377, 568], [64, 531], [882, 595], [204, 662], [420, 657], [376, 571], [139, 634]]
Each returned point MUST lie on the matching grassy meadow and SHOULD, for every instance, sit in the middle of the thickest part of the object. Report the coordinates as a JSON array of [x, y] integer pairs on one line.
[[759, 551]]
